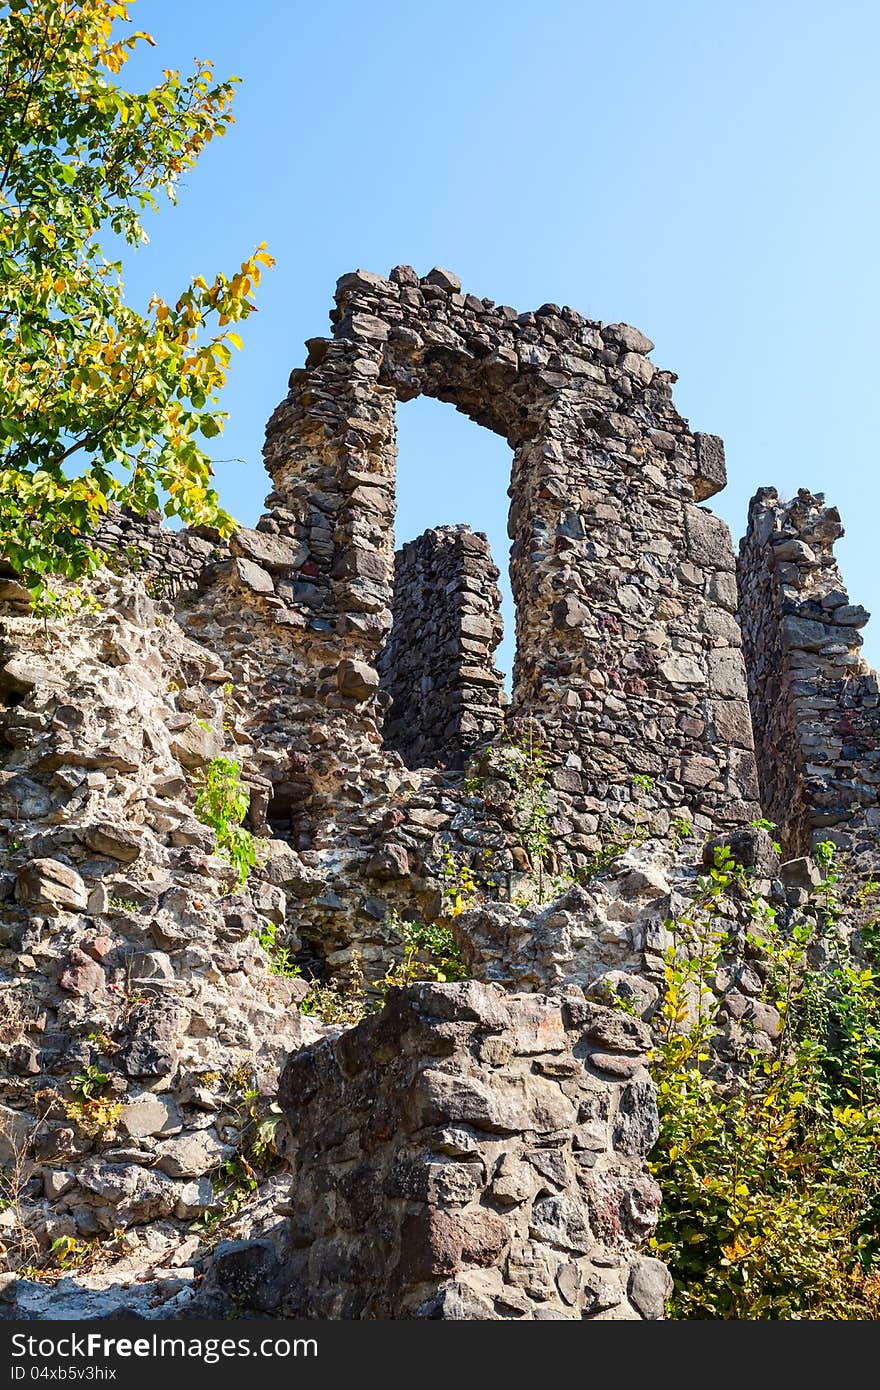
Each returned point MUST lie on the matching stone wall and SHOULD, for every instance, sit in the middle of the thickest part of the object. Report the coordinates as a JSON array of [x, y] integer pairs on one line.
[[628, 657], [171, 561], [815, 703], [471, 1154], [436, 667], [136, 1002], [628, 653], [475, 1150]]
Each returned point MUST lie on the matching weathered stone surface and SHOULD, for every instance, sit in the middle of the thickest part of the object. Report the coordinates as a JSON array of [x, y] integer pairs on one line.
[[800, 873], [631, 338], [81, 975], [49, 885], [708, 538], [357, 680], [191, 1155], [16, 1127], [368, 1120], [751, 847], [444, 278], [115, 840], [269, 552], [649, 1287], [253, 577], [126, 1192], [151, 1114], [710, 475], [815, 705], [196, 745]]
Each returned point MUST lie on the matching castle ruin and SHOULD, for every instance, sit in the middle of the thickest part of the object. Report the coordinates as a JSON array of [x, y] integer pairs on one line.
[[482, 1143]]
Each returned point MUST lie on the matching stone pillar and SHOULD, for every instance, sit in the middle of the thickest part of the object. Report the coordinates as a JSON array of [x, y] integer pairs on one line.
[[437, 667], [815, 703], [471, 1154]]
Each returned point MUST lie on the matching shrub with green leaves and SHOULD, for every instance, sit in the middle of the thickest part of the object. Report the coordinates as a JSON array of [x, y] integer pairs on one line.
[[771, 1189], [430, 952], [222, 803], [281, 960]]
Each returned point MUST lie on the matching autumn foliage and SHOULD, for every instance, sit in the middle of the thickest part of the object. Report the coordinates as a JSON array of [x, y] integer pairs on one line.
[[97, 400]]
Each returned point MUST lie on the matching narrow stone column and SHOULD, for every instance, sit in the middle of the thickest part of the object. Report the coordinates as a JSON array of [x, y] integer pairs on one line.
[[815, 702], [437, 667]]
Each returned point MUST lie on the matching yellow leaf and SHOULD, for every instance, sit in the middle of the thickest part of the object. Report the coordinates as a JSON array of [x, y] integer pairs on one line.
[[234, 339]]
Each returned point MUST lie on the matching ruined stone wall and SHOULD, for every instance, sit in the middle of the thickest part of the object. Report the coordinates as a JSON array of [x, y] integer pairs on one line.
[[628, 656], [815, 703], [129, 950], [171, 561], [475, 1150], [436, 667], [471, 1154], [628, 659], [627, 650]]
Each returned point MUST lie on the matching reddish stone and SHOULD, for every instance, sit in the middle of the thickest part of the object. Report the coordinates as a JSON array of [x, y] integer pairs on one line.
[[439, 1243], [99, 948], [81, 975]]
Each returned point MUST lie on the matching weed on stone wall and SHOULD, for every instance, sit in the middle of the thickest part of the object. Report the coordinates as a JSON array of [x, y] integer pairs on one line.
[[280, 956], [222, 803], [430, 952], [342, 1001], [525, 764]]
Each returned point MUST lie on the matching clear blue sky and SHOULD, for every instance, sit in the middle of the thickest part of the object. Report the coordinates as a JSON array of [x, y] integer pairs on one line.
[[705, 171]]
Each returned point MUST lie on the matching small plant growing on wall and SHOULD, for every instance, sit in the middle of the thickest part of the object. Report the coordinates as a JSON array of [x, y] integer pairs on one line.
[[461, 889], [222, 803], [430, 952], [280, 959], [526, 767]]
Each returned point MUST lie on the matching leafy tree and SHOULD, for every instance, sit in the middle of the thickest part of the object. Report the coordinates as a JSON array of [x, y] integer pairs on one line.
[[98, 401]]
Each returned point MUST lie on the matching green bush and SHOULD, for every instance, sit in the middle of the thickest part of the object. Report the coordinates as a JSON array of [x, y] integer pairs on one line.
[[771, 1190], [430, 952]]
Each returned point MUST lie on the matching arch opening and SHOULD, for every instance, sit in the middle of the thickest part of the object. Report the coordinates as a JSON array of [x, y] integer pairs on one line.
[[453, 610]]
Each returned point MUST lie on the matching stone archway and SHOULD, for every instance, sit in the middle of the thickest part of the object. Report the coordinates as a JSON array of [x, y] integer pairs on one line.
[[628, 654]]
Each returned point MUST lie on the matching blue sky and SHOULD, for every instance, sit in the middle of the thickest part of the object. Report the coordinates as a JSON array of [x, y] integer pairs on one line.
[[706, 172]]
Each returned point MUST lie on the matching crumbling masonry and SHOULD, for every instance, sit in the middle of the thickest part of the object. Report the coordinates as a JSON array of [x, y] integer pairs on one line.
[[815, 703], [477, 1149]]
